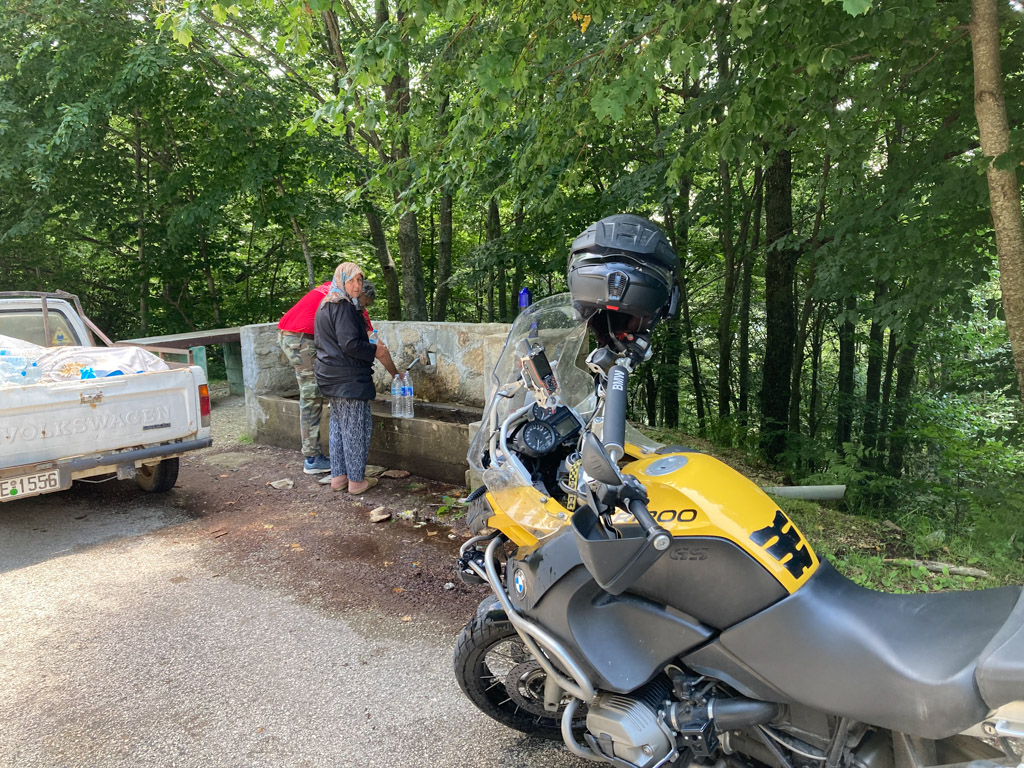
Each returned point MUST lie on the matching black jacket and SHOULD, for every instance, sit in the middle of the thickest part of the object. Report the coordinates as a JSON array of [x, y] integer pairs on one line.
[[344, 354]]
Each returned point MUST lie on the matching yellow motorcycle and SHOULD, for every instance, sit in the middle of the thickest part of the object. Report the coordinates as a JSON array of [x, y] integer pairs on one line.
[[653, 607]]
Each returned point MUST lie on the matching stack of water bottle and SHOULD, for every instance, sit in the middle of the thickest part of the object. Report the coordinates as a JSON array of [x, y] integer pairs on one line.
[[15, 369], [401, 397]]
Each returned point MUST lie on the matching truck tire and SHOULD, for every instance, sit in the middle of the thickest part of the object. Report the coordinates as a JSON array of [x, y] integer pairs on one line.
[[157, 478]]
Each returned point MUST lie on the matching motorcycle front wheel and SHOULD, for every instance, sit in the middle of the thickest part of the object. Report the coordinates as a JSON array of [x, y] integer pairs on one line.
[[502, 678]]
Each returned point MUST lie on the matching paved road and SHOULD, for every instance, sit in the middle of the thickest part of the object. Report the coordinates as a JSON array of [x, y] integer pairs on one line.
[[123, 642]]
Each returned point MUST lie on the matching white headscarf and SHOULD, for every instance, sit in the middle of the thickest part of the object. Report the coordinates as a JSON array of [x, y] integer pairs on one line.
[[345, 272]]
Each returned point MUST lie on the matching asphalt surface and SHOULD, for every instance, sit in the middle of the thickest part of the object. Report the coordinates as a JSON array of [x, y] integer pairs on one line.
[[127, 641]]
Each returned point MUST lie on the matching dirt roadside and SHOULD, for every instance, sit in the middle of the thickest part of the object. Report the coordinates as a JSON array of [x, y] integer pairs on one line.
[[315, 544]]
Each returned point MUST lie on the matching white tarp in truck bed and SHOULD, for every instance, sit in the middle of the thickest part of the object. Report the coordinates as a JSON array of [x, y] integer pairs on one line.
[[67, 363]]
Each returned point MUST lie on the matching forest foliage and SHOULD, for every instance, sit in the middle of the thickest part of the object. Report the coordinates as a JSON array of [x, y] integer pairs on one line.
[[189, 164]]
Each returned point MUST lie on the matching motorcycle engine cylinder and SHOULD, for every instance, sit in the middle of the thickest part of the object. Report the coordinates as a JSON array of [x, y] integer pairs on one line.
[[629, 728]]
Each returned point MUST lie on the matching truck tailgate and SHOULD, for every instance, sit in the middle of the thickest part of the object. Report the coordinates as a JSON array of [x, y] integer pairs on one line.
[[45, 422]]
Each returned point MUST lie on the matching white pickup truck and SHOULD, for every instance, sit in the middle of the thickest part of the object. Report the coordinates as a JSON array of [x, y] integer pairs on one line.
[[60, 429]]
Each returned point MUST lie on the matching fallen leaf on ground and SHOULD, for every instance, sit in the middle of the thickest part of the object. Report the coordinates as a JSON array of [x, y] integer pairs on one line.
[[407, 618], [223, 475], [431, 533], [398, 590], [267, 526], [282, 484], [379, 515], [396, 473]]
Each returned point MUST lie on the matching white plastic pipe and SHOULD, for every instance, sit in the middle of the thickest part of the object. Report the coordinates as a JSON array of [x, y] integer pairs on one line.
[[808, 492]]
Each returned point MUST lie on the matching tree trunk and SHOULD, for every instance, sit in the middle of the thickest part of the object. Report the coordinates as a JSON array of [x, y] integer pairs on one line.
[[883, 417], [310, 274], [413, 296], [847, 364], [673, 349], [780, 314], [444, 259], [141, 185], [873, 383], [679, 231], [397, 96], [817, 343], [492, 229], [211, 283], [904, 380], [652, 397], [500, 282], [748, 273], [729, 292], [386, 261], [1003, 183]]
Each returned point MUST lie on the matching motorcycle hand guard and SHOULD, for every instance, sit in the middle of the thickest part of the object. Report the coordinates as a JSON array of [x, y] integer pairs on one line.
[[615, 563]]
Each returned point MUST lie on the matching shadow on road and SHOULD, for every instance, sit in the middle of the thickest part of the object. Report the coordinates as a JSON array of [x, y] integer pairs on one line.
[[41, 528]]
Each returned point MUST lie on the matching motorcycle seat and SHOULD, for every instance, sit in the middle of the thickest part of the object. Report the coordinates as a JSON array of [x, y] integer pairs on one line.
[[1000, 672], [905, 662]]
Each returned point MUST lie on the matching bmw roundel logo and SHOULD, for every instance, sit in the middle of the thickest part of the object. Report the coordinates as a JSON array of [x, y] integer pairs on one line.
[[519, 579]]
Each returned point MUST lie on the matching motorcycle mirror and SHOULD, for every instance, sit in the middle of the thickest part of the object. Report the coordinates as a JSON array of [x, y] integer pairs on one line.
[[597, 463]]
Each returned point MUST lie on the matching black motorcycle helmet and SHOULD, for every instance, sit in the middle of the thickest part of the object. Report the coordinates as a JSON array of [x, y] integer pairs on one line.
[[622, 277]]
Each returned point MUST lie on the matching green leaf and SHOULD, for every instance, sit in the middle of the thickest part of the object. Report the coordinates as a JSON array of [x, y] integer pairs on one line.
[[183, 35], [856, 7], [609, 102], [219, 13]]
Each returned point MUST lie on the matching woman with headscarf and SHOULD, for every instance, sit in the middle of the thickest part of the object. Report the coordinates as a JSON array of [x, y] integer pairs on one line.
[[344, 373]]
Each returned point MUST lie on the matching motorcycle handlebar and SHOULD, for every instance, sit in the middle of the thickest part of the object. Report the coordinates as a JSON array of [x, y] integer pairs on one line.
[[615, 396], [658, 536]]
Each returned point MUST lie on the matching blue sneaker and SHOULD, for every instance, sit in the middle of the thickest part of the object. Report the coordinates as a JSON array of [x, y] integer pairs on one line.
[[316, 465]]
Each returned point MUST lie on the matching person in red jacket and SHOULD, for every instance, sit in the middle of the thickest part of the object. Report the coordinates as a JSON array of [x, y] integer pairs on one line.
[[295, 336]]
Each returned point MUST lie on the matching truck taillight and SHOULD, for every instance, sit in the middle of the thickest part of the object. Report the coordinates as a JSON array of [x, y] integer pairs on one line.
[[204, 405]]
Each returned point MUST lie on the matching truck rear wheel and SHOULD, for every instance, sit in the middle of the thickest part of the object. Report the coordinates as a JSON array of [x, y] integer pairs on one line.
[[157, 478]]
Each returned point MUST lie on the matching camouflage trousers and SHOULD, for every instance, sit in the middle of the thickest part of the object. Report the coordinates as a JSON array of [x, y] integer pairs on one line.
[[301, 353]]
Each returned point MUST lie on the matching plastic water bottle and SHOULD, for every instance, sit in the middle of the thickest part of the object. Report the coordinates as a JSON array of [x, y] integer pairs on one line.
[[31, 373], [407, 411], [396, 397], [373, 336], [12, 368]]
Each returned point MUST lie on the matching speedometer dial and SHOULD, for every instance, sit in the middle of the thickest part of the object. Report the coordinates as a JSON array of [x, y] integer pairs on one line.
[[539, 437]]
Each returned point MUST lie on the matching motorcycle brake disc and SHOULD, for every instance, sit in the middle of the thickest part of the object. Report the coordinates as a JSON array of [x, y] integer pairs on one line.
[[525, 685]]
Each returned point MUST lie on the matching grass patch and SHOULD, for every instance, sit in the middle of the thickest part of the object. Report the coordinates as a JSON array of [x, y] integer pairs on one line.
[[864, 550]]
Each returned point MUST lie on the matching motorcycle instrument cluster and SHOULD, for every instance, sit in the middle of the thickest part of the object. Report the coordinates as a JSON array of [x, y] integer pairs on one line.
[[546, 430]]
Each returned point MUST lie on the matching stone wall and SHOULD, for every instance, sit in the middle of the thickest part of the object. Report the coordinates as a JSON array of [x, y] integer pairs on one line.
[[463, 355], [264, 372], [453, 364]]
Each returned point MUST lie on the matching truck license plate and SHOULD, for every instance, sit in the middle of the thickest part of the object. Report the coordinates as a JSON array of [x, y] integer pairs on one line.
[[30, 485]]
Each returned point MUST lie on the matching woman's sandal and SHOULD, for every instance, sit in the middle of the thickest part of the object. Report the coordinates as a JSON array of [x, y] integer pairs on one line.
[[370, 482], [327, 481]]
